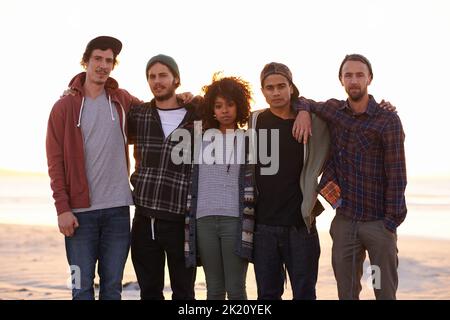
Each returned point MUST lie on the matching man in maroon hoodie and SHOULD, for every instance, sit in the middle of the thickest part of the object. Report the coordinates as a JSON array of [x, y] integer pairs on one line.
[[87, 158]]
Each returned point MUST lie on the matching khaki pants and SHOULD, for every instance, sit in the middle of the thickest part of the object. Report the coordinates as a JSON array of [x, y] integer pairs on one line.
[[351, 240]]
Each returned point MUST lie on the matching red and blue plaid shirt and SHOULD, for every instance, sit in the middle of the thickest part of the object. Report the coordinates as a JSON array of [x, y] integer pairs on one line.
[[365, 176]]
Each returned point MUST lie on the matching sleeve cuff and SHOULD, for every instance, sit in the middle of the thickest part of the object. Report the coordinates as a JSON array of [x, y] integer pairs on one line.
[[61, 208], [390, 224], [302, 105]]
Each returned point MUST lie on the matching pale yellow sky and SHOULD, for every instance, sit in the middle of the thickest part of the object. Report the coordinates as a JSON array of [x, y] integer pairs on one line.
[[406, 41]]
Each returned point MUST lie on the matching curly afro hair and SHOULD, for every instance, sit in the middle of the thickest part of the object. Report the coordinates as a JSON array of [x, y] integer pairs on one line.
[[231, 89]]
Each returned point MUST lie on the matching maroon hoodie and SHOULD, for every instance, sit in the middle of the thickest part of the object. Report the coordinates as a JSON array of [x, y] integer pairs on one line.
[[64, 143]]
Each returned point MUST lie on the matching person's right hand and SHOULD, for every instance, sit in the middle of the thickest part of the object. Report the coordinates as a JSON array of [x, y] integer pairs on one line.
[[67, 223], [301, 130], [185, 97]]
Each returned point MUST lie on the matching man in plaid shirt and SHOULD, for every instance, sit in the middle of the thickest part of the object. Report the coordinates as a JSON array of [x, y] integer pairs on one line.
[[364, 180], [160, 185]]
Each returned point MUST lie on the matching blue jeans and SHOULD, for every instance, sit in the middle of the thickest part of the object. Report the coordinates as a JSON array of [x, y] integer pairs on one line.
[[103, 236], [293, 248]]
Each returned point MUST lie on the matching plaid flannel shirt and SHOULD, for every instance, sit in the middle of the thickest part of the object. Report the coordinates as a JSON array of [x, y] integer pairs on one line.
[[159, 185], [365, 176]]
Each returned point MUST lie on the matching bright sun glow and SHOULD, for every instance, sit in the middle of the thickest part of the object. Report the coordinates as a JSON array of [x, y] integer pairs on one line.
[[406, 41]]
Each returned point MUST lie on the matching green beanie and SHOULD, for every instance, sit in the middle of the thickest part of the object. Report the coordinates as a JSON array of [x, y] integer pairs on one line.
[[165, 60]]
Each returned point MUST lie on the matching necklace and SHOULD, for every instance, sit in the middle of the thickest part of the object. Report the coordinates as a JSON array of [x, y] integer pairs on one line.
[[231, 155], [228, 163]]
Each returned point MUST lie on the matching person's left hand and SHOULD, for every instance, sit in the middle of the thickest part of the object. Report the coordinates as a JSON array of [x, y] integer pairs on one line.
[[386, 105]]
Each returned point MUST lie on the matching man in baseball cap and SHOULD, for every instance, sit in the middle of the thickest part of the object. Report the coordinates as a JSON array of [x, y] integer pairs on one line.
[[286, 237], [87, 155]]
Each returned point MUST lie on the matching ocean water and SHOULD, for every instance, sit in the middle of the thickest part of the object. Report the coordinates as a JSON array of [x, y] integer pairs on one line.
[[27, 200], [428, 204]]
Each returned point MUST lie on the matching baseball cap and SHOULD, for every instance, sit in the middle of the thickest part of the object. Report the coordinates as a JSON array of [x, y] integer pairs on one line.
[[281, 69]]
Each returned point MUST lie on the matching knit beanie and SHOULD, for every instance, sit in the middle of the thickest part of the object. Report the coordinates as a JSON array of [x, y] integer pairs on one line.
[[165, 60]]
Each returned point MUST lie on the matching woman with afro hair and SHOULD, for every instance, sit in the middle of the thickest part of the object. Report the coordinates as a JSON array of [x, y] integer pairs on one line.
[[220, 210]]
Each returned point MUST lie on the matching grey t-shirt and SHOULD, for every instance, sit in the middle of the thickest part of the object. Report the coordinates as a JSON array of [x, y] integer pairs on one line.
[[104, 155], [218, 184]]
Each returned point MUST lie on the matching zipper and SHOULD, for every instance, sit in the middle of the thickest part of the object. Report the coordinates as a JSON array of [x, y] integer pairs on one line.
[[78, 126]]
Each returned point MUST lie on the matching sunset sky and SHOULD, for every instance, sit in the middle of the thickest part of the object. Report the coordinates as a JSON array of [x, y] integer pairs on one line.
[[406, 41]]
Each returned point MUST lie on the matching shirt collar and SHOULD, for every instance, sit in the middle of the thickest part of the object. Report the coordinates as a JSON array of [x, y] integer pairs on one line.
[[371, 107]]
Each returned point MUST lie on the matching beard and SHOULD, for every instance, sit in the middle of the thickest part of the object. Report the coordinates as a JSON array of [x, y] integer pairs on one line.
[[358, 95], [165, 96]]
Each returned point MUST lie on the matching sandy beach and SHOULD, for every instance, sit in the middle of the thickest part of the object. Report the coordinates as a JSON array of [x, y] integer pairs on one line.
[[33, 266]]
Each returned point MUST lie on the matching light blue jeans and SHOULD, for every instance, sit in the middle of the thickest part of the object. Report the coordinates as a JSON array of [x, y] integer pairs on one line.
[[103, 236], [225, 271]]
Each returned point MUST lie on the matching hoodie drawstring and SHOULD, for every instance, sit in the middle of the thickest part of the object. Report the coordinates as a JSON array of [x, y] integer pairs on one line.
[[82, 107], [110, 108], [81, 111], [152, 222]]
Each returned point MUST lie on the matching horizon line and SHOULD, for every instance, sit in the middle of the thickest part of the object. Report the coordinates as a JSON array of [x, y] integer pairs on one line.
[[19, 172]]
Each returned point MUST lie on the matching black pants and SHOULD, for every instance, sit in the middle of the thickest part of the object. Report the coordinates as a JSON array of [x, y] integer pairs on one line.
[[149, 247]]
